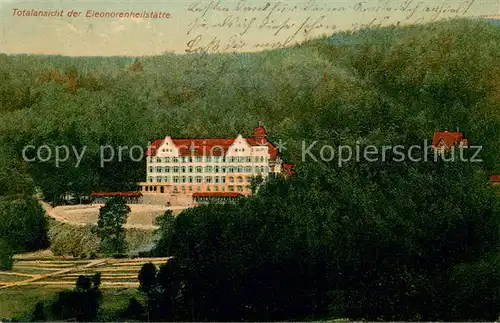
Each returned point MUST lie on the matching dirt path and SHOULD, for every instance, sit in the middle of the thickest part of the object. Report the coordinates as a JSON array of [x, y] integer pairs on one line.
[[60, 214], [49, 210]]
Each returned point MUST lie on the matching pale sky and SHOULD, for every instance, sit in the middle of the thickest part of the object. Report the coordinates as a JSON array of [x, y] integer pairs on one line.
[[246, 25]]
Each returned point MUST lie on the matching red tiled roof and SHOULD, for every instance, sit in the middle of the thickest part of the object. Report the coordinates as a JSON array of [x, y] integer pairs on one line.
[[203, 146], [260, 131], [216, 194], [151, 151], [208, 146], [495, 178], [449, 139], [110, 194]]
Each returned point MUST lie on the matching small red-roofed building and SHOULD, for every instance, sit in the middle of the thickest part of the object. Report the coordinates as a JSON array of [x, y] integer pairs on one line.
[[288, 169], [446, 140], [495, 180], [180, 169]]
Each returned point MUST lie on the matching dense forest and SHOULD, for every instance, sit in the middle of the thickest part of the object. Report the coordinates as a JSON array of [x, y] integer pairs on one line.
[[368, 240], [391, 85]]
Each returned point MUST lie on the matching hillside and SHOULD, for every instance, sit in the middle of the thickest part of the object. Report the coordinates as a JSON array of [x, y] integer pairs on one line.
[[391, 85], [366, 240]]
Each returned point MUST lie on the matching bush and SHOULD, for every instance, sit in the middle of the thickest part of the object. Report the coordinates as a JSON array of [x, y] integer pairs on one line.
[[70, 240], [83, 241], [6, 254], [23, 224]]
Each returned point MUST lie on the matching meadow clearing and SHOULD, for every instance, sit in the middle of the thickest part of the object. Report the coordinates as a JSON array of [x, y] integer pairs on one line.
[[35, 278]]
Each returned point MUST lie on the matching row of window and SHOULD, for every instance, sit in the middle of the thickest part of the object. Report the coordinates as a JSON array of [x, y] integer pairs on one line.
[[212, 188], [209, 159], [198, 179], [208, 169]]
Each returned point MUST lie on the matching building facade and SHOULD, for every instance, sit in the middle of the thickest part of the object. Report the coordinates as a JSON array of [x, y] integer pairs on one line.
[[179, 167]]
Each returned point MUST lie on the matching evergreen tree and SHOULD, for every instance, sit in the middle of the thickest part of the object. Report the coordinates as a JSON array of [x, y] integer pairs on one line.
[[112, 216]]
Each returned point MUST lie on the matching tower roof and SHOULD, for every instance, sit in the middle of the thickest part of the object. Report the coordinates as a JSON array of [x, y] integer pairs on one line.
[[260, 131]]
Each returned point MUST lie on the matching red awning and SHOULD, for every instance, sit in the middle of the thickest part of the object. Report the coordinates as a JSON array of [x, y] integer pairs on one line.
[[111, 194], [216, 194]]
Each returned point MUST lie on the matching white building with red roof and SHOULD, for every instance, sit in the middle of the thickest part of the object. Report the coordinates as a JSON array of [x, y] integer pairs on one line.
[[180, 169]]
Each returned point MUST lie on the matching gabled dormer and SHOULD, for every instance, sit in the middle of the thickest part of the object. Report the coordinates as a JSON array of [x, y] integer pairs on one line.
[[167, 148], [240, 146]]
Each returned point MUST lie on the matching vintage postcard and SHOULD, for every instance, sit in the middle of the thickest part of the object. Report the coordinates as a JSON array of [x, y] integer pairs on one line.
[[249, 160]]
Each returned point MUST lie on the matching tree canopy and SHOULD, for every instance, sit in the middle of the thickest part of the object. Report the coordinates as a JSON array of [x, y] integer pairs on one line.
[[395, 84], [364, 240]]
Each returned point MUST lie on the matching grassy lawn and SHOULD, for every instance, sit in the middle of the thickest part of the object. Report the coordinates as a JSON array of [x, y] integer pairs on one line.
[[32, 270], [115, 300], [20, 301]]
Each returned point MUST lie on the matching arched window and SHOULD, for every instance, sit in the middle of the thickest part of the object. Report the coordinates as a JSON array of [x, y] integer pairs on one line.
[[231, 179], [240, 179]]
